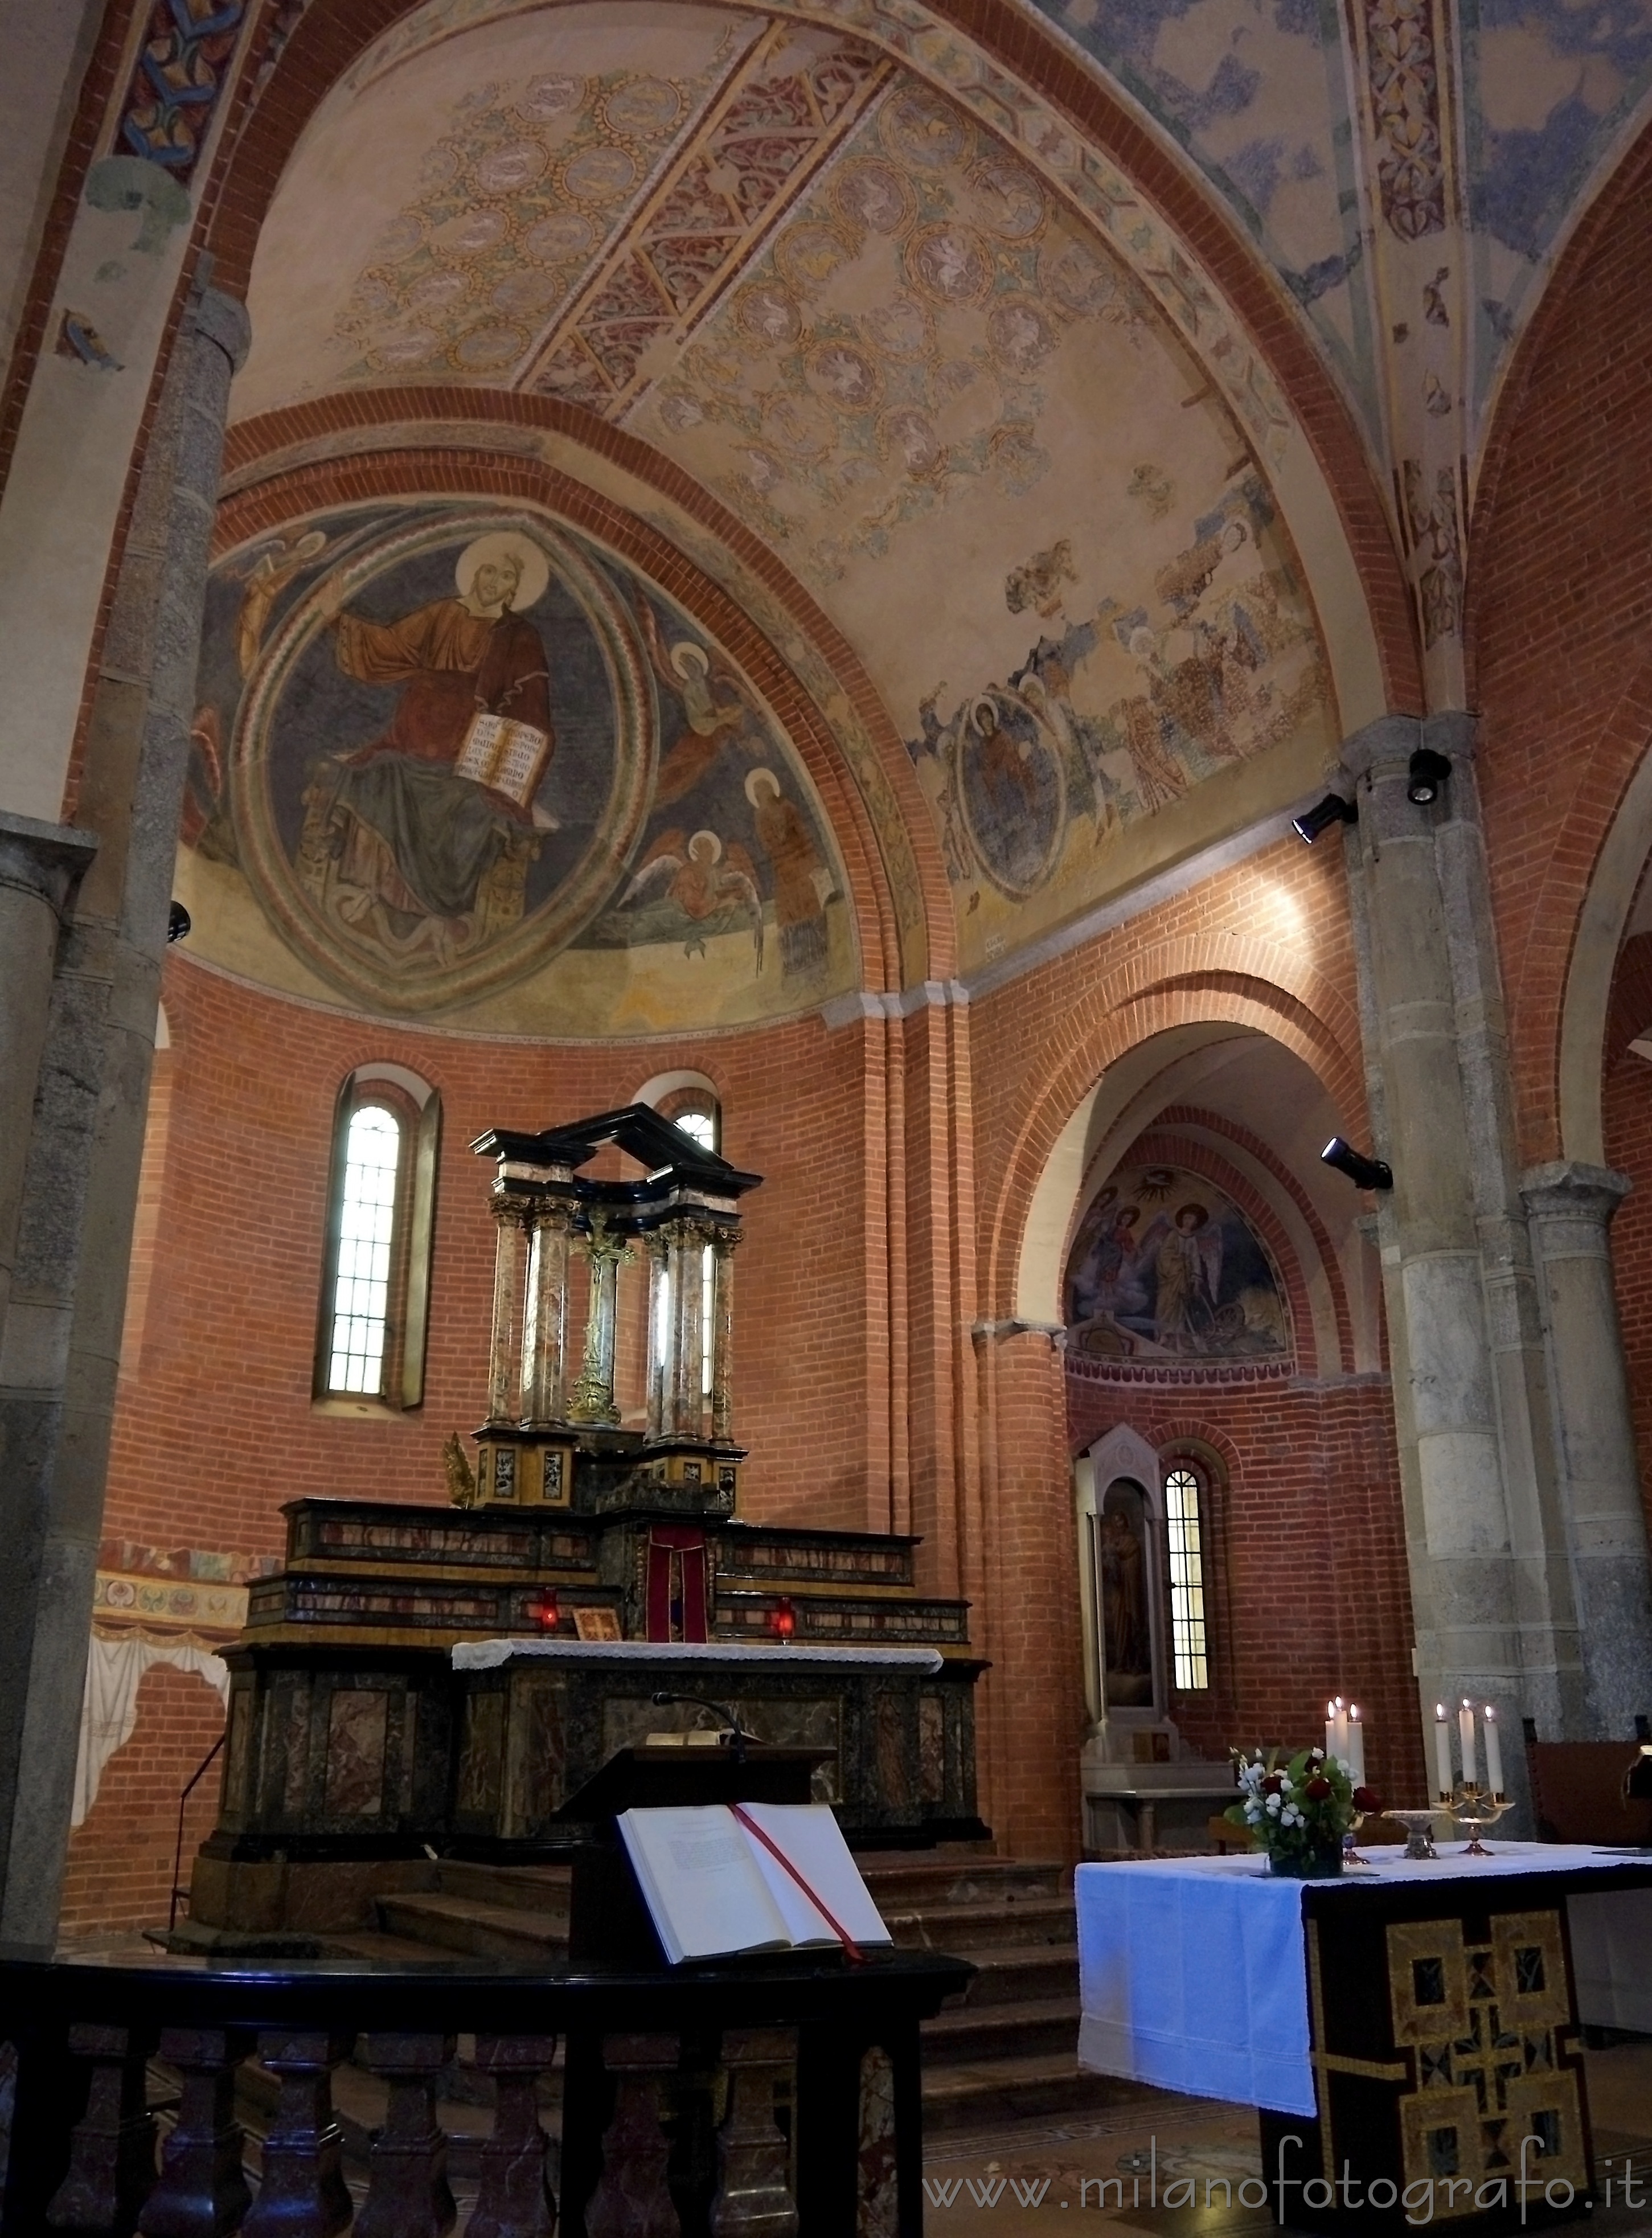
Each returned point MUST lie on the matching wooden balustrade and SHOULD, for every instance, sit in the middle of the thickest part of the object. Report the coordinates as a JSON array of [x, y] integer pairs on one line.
[[672, 2086]]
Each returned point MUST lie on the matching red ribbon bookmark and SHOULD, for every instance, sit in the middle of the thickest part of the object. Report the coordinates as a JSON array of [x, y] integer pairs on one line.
[[852, 1949]]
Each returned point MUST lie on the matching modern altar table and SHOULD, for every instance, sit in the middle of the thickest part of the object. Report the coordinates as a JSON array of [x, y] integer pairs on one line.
[[1401, 2029]]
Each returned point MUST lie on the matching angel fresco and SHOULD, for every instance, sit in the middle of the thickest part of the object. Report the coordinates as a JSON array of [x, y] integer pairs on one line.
[[1149, 1282], [714, 706], [707, 885]]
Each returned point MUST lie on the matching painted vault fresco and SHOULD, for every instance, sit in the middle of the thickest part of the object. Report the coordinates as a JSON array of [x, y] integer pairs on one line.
[[845, 305], [1164, 1268], [450, 759]]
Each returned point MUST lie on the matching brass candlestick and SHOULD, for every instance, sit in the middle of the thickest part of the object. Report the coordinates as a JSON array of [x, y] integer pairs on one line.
[[1476, 1808]]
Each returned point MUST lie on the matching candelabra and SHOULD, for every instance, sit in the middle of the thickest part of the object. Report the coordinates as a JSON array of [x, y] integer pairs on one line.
[[1476, 1808]]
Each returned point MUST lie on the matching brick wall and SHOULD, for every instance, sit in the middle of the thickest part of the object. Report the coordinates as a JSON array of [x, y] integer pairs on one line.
[[120, 1862], [1626, 1091], [1560, 594], [1307, 1578], [214, 1428]]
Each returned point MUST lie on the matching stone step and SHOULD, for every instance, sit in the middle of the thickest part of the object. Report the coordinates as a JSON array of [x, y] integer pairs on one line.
[[525, 1887], [967, 1927], [971, 2035], [1021, 1973], [985, 2094], [480, 1930], [911, 1881]]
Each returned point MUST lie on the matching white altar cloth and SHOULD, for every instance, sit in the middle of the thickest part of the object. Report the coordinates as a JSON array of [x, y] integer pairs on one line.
[[1192, 1971]]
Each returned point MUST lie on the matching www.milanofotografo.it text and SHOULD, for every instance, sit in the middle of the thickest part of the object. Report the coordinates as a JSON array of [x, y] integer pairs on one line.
[[1420, 2200]]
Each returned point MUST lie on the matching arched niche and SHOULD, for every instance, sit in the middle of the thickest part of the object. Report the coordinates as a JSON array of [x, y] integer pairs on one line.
[[1117, 1489]]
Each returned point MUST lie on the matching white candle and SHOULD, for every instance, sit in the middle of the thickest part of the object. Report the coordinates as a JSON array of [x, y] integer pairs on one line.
[[1330, 1728], [1493, 1751], [1356, 1747], [1465, 1732], [1442, 1751]]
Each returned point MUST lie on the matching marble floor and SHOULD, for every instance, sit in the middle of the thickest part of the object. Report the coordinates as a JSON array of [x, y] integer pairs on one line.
[[1040, 2176]]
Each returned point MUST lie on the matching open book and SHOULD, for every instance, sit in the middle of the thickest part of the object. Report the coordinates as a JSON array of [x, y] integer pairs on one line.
[[713, 1888], [507, 757]]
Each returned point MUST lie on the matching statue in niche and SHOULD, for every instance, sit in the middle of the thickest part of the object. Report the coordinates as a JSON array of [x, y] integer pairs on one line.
[[1121, 1576]]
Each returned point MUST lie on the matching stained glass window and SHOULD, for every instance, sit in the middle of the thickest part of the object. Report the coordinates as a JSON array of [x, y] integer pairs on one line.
[[1185, 1547]]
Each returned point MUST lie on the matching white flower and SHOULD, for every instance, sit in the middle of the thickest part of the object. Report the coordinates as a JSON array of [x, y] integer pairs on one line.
[[1273, 1804]]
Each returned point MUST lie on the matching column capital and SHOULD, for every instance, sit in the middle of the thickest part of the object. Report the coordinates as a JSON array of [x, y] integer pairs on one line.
[[221, 320], [43, 860], [1389, 741], [1566, 1189]]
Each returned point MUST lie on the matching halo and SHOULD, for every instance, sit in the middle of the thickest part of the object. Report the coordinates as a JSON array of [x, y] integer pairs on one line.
[[688, 658], [502, 544], [752, 780], [985, 706], [716, 846]]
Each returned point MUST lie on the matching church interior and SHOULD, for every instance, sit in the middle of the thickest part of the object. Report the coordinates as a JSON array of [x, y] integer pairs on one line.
[[995, 649]]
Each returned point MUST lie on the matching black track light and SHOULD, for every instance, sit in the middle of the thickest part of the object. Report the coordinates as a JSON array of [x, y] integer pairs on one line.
[[177, 923], [1362, 1172], [1333, 809], [1428, 772]]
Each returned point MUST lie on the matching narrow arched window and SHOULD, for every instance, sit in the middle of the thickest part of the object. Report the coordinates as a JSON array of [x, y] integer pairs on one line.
[[370, 1348], [1185, 1557], [367, 1239]]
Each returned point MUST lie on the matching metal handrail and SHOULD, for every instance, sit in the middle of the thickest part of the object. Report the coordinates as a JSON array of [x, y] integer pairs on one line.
[[190, 1786]]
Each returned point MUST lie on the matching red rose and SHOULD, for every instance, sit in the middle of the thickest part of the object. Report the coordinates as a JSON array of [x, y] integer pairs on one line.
[[1367, 1798], [1272, 1783], [1316, 1790]]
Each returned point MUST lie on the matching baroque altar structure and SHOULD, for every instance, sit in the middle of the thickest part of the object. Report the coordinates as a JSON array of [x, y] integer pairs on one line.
[[417, 1682]]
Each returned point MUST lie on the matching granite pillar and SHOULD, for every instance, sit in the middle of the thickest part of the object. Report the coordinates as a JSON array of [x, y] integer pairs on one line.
[[60, 1347], [1491, 1590], [1570, 1207]]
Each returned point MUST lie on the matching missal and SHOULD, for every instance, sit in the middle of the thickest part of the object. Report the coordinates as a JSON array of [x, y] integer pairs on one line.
[[722, 1879], [505, 756]]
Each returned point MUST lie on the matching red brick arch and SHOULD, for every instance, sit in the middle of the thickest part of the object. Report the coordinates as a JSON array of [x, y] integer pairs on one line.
[[1191, 981], [1560, 594]]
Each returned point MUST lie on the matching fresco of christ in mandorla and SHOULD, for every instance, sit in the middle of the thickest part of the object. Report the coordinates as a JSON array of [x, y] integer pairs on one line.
[[430, 824], [451, 757]]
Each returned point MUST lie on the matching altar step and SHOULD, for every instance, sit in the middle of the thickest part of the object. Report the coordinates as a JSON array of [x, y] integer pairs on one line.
[[1007, 2048]]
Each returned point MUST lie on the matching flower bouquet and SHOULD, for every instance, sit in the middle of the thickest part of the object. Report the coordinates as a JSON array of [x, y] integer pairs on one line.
[[1299, 1811]]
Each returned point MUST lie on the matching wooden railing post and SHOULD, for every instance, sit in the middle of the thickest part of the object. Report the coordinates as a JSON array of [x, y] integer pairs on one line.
[[111, 2148], [303, 2194], [408, 2194], [515, 2200], [630, 2199], [201, 2192], [753, 2197]]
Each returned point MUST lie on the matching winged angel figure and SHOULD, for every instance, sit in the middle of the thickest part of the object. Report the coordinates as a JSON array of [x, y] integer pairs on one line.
[[706, 880]]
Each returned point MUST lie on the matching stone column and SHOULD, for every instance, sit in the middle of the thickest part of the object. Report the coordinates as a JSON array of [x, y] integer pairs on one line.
[[511, 1215], [40, 866], [1570, 1207], [660, 1330], [60, 1346], [1490, 1590], [593, 1395], [724, 1242], [545, 1349]]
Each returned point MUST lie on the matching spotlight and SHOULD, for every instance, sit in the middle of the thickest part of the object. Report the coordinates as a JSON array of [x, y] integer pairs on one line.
[[1362, 1172], [1428, 772], [1333, 809], [177, 923]]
